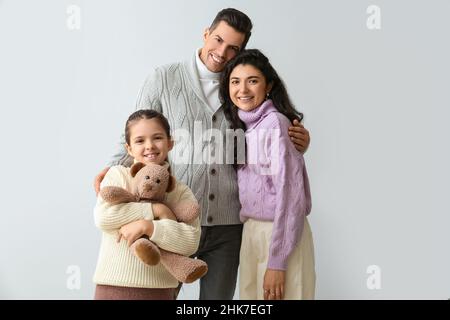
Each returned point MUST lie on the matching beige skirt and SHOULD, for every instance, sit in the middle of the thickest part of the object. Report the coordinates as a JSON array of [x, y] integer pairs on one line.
[[300, 278]]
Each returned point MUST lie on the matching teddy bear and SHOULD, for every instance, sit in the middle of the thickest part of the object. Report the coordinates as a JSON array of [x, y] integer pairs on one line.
[[149, 184]]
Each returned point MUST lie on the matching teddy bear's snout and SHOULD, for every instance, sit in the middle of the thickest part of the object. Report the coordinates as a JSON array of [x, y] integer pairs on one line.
[[148, 187]]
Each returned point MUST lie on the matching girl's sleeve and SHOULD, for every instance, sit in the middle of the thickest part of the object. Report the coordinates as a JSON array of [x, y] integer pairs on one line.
[[293, 200], [178, 237], [109, 217]]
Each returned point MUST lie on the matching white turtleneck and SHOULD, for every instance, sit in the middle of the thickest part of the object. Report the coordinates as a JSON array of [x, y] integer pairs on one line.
[[209, 82]]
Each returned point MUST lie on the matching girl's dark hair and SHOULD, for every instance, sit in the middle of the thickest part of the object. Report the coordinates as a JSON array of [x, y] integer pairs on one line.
[[278, 93], [146, 114], [236, 19]]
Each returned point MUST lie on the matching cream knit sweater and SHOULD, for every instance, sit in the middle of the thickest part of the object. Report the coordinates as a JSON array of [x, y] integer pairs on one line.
[[116, 264]]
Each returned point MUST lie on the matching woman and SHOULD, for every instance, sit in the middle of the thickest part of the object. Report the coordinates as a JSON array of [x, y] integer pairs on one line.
[[277, 254]]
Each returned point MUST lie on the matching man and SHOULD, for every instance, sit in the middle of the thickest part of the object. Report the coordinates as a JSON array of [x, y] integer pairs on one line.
[[187, 93]]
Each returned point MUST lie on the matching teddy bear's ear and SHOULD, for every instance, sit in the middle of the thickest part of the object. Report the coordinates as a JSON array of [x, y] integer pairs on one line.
[[136, 167], [172, 184]]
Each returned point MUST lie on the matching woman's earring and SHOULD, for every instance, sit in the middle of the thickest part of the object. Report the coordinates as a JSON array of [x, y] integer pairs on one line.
[[267, 95]]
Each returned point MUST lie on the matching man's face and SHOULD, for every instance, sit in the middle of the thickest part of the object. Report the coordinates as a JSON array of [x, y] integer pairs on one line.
[[220, 46]]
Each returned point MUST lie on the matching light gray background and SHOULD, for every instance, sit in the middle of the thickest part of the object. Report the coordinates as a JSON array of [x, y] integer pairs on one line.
[[376, 104]]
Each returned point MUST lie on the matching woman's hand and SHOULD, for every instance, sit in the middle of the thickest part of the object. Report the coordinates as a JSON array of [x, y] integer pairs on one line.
[[134, 230], [274, 284]]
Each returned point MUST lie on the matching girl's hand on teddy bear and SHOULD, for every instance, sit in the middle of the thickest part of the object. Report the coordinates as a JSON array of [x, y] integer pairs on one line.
[[134, 230]]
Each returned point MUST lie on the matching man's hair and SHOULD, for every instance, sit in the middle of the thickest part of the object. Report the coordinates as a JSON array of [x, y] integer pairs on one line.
[[235, 19]]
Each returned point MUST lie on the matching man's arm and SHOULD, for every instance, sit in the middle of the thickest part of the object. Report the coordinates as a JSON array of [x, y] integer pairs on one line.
[[121, 157]]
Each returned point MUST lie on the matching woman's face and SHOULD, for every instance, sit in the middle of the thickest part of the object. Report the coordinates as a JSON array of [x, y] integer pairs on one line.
[[248, 87]]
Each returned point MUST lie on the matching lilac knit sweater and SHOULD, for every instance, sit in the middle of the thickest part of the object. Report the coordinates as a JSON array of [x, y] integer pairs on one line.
[[274, 185]]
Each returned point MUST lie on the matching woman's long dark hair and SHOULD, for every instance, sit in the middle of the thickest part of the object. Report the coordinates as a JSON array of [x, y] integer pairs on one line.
[[278, 94]]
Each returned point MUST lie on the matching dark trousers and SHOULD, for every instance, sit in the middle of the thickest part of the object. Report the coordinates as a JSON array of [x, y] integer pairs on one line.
[[219, 247]]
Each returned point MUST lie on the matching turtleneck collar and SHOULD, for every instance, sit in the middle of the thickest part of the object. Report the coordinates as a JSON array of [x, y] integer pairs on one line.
[[253, 117], [203, 71]]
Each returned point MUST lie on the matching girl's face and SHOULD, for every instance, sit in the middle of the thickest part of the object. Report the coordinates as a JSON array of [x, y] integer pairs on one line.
[[248, 87], [149, 142]]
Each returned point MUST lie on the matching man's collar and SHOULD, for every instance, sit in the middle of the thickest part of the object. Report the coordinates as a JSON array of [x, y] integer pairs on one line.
[[203, 71]]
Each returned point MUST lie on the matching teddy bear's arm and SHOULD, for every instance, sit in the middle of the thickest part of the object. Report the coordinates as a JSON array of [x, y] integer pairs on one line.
[[115, 195], [185, 206]]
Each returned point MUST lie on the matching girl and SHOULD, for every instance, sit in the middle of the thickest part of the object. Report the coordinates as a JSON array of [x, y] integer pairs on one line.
[[119, 273], [277, 254]]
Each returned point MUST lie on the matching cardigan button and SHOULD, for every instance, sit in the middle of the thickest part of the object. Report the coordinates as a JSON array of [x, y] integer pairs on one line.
[[211, 197], [214, 118], [209, 219]]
